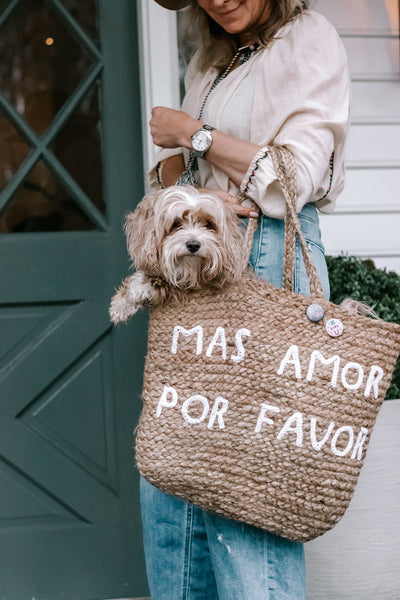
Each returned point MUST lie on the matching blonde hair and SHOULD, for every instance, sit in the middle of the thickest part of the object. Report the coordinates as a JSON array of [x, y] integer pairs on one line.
[[216, 47]]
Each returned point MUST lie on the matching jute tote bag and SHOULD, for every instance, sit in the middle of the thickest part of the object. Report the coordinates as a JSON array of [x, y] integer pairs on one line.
[[256, 412]]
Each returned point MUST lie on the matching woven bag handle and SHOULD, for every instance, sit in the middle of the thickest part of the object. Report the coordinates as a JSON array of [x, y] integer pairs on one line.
[[286, 173], [285, 168]]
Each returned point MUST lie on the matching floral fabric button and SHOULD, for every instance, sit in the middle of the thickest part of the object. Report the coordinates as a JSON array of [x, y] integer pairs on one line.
[[334, 327], [315, 313]]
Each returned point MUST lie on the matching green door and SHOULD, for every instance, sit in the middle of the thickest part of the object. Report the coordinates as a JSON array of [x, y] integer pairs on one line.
[[70, 168]]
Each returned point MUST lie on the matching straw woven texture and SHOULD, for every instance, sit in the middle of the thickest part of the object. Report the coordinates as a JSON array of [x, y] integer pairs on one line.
[[277, 438]]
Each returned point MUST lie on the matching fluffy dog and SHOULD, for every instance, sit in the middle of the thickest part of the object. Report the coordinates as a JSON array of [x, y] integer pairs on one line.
[[179, 239]]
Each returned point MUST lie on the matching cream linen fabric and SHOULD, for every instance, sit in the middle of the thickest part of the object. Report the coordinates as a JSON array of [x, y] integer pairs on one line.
[[294, 93]]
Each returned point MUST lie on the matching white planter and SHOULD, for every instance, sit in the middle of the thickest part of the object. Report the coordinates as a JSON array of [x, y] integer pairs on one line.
[[360, 558]]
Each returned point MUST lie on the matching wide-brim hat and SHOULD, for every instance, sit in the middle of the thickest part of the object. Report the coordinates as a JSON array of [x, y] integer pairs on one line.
[[173, 4]]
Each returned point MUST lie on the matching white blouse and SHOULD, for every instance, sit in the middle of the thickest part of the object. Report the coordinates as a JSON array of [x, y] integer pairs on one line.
[[294, 93]]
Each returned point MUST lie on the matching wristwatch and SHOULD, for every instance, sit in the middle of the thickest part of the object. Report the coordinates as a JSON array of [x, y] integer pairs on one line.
[[202, 140]]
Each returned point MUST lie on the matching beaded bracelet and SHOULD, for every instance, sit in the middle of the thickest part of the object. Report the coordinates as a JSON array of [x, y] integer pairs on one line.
[[251, 171], [158, 169]]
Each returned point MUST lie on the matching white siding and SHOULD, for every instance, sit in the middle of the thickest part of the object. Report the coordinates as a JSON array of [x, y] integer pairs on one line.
[[367, 219]]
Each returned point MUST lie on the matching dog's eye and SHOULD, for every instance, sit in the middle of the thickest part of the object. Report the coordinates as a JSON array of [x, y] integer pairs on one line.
[[175, 225], [211, 225]]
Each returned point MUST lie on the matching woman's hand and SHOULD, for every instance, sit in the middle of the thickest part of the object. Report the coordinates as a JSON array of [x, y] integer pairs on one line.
[[232, 202], [172, 128]]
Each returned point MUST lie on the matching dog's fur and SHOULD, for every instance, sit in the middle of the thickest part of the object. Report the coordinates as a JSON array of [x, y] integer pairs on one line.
[[179, 239]]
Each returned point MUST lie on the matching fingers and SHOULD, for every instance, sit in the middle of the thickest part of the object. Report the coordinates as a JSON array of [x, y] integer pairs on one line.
[[237, 207], [158, 111], [159, 126], [171, 128], [233, 203], [243, 211]]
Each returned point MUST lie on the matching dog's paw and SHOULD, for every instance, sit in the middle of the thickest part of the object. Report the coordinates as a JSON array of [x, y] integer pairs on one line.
[[134, 293], [121, 309]]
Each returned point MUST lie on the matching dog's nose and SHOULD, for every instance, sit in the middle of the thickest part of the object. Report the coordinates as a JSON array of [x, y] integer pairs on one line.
[[193, 246]]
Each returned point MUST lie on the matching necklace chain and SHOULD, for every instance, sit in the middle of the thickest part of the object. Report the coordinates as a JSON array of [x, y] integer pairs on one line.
[[244, 54]]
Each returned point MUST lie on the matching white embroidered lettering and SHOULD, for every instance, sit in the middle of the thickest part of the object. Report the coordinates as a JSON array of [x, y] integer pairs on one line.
[[218, 410], [374, 377], [187, 404], [219, 339], [187, 332], [313, 436], [239, 345], [358, 446], [263, 419], [164, 402], [316, 355], [358, 383], [346, 429], [292, 358], [294, 423]]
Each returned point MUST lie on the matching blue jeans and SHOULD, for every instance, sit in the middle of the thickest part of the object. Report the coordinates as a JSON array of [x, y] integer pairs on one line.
[[192, 554], [267, 253]]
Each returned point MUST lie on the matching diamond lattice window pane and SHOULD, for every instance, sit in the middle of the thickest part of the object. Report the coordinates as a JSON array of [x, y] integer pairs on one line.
[[42, 62], [42, 203], [78, 148], [85, 13], [13, 150]]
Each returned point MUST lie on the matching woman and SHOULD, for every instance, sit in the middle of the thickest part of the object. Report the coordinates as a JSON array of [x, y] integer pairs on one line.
[[266, 72]]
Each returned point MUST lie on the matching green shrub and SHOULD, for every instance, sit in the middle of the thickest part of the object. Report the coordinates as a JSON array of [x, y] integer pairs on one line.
[[351, 277]]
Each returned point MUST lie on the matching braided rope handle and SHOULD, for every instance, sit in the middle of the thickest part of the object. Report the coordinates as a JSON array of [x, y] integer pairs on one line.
[[285, 168], [249, 235]]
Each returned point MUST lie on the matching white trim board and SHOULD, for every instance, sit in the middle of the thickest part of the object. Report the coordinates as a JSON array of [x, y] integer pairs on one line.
[[159, 69]]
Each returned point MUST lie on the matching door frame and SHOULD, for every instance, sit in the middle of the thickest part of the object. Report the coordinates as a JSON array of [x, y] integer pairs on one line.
[[106, 263], [159, 70]]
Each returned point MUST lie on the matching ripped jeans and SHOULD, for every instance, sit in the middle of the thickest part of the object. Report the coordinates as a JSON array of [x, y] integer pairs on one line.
[[192, 554]]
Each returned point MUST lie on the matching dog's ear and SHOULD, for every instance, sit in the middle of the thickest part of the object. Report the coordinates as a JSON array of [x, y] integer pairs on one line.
[[140, 234]]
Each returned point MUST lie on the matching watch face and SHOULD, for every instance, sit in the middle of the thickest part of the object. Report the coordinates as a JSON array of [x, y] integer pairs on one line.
[[201, 140]]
